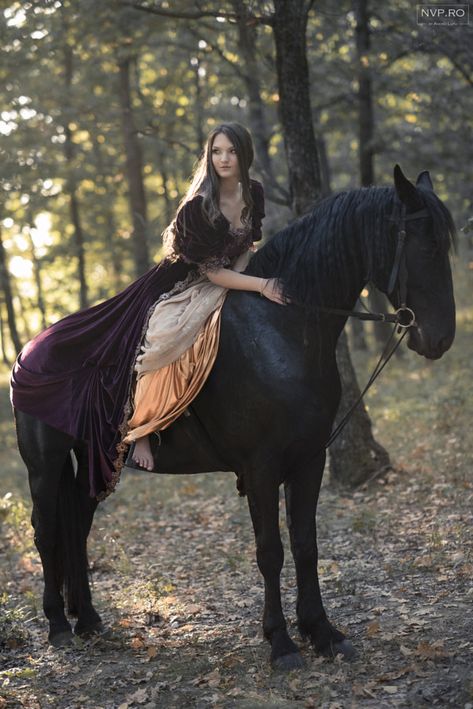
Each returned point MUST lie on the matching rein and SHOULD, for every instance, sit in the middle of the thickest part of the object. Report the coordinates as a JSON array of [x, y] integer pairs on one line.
[[398, 276]]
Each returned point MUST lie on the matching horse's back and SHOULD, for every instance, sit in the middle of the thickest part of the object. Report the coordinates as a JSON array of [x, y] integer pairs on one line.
[[266, 384]]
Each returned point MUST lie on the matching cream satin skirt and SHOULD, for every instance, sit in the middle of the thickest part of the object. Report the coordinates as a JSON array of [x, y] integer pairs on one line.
[[178, 353]]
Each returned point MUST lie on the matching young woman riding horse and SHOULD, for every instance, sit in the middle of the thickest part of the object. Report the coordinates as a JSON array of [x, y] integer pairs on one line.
[[267, 408], [78, 375]]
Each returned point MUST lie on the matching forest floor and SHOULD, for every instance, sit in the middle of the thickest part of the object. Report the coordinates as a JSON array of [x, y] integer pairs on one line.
[[175, 578]]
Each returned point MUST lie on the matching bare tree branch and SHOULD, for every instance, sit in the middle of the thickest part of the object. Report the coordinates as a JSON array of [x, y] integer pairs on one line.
[[216, 49], [197, 14]]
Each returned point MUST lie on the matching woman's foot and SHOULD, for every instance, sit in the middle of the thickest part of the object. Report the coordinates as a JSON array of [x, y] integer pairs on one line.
[[142, 454]]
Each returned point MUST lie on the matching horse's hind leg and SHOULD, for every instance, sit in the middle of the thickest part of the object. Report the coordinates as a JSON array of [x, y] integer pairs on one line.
[[88, 620], [45, 451], [302, 491], [263, 501]]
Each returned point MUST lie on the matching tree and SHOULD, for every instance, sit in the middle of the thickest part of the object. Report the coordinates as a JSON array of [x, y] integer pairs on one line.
[[5, 285], [354, 455]]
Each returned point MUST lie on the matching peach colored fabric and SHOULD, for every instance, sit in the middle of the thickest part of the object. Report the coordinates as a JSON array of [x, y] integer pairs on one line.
[[163, 394], [176, 322]]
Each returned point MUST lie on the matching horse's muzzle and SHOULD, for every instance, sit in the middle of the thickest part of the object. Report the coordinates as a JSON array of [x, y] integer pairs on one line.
[[429, 346]]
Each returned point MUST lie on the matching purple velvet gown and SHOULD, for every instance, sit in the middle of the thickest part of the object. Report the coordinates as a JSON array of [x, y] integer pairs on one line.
[[77, 375]]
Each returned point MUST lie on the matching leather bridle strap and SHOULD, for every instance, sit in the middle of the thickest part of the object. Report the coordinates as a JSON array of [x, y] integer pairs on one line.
[[399, 269], [376, 317], [398, 275]]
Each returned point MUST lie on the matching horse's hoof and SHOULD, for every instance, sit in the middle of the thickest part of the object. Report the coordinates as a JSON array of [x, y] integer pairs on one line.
[[62, 639], [344, 648], [286, 663], [90, 631]]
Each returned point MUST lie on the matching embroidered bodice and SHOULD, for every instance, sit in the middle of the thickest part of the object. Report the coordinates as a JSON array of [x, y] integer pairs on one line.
[[213, 246]]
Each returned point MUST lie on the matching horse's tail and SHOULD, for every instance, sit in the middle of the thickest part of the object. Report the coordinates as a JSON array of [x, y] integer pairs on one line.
[[71, 546]]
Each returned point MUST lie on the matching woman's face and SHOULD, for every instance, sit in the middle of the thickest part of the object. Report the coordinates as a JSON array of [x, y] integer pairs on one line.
[[224, 158]]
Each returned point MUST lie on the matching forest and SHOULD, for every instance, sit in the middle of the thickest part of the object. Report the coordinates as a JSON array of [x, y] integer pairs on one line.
[[105, 109]]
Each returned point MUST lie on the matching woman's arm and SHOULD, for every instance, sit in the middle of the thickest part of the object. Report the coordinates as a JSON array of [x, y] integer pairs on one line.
[[227, 278]]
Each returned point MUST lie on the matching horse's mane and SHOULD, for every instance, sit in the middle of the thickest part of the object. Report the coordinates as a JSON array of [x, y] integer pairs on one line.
[[317, 256]]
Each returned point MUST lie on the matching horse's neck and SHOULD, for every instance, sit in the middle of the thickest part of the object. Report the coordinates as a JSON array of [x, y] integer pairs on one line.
[[326, 258]]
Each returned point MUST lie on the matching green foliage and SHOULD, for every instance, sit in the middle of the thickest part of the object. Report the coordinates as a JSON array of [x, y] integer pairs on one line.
[[57, 131]]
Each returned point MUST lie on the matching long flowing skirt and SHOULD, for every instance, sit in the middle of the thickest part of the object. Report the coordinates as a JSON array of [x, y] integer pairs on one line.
[[177, 356], [77, 375]]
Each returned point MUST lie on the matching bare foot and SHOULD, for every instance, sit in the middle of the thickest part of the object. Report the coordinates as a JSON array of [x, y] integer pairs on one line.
[[142, 453]]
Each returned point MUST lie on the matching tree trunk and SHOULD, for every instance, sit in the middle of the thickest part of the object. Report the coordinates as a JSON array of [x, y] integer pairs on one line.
[[356, 442], [3, 343], [71, 186], [355, 456], [169, 208], [365, 99], [22, 314], [251, 76], [110, 226], [37, 275], [5, 284], [289, 30], [366, 149], [358, 332], [198, 108], [134, 169]]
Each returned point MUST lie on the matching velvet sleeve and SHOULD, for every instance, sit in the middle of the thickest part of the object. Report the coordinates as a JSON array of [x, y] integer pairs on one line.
[[199, 242], [258, 209]]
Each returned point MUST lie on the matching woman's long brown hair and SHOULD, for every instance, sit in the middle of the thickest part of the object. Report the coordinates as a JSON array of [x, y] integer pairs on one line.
[[205, 180]]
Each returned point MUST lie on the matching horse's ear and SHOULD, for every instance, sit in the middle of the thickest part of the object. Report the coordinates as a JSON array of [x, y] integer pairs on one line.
[[424, 180], [406, 191]]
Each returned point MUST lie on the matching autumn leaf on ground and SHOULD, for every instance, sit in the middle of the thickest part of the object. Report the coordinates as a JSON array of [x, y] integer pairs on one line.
[[373, 628], [431, 651], [137, 643]]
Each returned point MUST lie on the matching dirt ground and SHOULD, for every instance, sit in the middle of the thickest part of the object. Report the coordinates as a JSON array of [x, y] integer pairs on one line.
[[175, 578]]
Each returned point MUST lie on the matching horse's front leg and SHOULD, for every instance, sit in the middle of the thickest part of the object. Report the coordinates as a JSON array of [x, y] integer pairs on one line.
[[263, 501], [302, 491]]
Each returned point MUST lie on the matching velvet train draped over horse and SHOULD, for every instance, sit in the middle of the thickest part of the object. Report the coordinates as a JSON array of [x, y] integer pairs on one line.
[[78, 374]]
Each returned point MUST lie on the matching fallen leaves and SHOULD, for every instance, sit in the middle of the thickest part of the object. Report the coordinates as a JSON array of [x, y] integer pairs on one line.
[[431, 651], [184, 578]]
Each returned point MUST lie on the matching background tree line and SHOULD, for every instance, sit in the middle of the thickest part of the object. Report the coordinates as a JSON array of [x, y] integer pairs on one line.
[[105, 107]]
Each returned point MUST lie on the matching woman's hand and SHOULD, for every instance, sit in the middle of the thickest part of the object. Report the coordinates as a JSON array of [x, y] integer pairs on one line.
[[272, 290]]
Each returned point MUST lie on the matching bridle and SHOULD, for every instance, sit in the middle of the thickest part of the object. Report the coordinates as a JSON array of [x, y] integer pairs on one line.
[[398, 275], [397, 281]]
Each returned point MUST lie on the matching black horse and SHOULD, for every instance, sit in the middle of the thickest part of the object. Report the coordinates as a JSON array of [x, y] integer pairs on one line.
[[268, 407]]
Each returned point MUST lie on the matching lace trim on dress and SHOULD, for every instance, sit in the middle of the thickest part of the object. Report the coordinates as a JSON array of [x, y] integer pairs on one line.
[[121, 447], [213, 264], [242, 241]]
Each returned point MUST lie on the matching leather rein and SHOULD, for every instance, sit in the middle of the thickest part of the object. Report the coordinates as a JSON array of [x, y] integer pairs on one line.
[[403, 318]]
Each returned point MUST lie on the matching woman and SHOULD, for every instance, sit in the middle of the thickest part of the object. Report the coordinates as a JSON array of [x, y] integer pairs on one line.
[[78, 374], [221, 196]]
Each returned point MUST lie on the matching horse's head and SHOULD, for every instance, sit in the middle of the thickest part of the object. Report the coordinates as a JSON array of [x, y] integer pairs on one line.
[[423, 269]]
